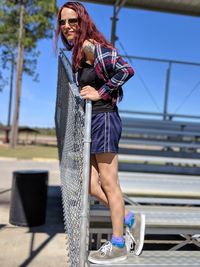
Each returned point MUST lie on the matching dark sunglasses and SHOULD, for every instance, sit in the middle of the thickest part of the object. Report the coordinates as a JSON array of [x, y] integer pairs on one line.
[[71, 22]]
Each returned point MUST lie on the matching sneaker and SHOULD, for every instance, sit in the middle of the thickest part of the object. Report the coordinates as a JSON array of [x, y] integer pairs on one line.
[[108, 254], [135, 235]]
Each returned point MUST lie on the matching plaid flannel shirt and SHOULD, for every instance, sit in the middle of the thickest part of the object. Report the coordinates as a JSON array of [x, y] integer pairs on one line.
[[112, 69]]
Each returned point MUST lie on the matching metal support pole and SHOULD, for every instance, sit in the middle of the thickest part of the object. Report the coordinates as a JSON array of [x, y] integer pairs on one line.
[[122, 3], [114, 22], [85, 187], [115, 19], [167, 92]]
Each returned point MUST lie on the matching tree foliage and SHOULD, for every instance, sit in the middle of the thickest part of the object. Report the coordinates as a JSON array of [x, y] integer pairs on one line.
[[38, 24], [22, 24]]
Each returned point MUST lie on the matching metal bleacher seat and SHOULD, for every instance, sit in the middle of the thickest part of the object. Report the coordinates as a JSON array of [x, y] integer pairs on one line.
[[165, 127], [160, 133], [160, 258]]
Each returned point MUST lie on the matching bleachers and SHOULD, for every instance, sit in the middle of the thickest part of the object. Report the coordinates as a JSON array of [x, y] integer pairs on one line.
[[165, 156], [160, 133], [171, 203], [160, 127], [159, 172]]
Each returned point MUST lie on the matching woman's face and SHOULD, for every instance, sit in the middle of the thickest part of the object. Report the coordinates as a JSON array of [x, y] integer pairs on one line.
[[68, 23]]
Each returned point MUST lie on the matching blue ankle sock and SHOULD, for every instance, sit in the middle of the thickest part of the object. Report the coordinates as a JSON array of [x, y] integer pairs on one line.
[[129, 219], [118, 241]]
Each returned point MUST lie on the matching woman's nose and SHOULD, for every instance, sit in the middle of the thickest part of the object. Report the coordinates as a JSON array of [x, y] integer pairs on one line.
[[67, 25]]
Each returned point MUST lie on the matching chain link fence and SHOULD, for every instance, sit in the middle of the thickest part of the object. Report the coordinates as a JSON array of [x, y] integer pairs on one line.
[[73, 136]]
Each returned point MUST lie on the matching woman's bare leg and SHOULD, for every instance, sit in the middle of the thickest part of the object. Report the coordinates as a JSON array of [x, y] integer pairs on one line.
[[95, 188], [95, 184], [108, 168]]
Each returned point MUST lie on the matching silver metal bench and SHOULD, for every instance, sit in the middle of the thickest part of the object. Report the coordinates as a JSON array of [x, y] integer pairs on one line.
[[160, 185], [159, 143], [160, 133], [161, 258], [168, 125], [131, 150], [158, 159]]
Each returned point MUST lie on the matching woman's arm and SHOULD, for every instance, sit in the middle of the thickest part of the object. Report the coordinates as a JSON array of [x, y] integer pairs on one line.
[[109, 66], [116, 70]]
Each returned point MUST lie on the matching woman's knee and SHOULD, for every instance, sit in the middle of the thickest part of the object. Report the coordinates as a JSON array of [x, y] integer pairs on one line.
[[109, 186]]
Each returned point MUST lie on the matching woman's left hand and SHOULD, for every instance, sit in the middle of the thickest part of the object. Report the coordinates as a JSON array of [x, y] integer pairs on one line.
[[90, 93]]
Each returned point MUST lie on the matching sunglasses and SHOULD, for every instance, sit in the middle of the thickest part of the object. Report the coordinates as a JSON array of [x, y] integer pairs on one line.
[[71, 22]]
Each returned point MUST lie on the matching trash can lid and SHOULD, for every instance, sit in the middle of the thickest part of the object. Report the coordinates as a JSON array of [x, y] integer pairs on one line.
[[30, 171]]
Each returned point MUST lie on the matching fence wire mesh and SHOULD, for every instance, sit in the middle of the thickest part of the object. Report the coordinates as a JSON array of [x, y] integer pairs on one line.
[[69, 118]]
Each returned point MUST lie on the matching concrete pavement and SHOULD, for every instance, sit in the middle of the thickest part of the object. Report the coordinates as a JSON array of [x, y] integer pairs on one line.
[[44, 245]]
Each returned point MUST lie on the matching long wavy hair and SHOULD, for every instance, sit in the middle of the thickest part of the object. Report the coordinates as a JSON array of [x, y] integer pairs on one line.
[[86, 30]]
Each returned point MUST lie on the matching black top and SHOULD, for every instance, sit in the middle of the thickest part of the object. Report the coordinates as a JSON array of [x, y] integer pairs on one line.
[[88, 76]]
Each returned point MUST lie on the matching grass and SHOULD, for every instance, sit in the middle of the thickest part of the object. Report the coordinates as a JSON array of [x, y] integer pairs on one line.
[[29, 152], [36, 151]]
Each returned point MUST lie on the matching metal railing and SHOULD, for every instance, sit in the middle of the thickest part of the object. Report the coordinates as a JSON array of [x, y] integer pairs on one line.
[[162, 114], [73, 130]]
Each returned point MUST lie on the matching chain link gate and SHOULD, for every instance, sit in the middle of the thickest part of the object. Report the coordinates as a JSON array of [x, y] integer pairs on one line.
[[73, 130]]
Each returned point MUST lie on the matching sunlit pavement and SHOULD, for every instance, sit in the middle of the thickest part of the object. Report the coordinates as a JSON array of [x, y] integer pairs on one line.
[[44, 245]]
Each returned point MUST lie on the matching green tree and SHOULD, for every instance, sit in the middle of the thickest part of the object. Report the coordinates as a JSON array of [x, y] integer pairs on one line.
[[34, 21]]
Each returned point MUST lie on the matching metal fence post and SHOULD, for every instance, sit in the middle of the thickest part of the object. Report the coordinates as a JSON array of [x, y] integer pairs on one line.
[[85, 186]]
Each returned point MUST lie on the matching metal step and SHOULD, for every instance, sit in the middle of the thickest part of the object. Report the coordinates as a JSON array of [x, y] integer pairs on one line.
[[160, 185], [160, 258], [156, 159], [159, 219]]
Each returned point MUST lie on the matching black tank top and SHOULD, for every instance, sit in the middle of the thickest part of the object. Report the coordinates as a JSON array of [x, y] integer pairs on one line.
[[88, 76]]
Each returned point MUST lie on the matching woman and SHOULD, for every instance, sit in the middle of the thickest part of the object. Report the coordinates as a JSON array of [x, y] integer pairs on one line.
[[100, 73]]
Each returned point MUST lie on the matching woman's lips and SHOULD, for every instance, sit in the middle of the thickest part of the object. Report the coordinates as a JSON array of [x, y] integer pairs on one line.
[[69, 34]]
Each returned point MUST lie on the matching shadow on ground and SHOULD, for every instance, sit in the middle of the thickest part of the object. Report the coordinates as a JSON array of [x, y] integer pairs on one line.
[[38, 237]]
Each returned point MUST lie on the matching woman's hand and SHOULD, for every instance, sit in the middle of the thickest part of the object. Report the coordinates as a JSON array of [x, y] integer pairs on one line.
[[90, 93]]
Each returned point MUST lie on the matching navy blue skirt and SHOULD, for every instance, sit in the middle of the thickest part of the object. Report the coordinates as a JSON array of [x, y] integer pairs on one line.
[[106, 132]]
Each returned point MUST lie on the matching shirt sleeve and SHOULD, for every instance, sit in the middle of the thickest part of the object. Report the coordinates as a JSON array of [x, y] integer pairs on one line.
[[117, 76]]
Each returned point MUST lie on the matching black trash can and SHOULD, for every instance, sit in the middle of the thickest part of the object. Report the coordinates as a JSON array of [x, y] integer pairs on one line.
[[28, 198]]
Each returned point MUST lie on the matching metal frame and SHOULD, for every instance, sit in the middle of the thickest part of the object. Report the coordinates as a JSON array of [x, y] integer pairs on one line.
[[166, 115], [116, 8], [186, 7]]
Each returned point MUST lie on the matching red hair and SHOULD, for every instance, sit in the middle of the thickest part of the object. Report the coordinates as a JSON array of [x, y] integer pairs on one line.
[[86, 30]]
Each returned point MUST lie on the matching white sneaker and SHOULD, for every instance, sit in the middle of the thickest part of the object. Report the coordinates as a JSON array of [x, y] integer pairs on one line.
[[108, 254], [135, 235]]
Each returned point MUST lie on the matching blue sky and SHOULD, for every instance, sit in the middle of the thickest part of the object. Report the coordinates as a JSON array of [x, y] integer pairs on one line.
[[142, 33]]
